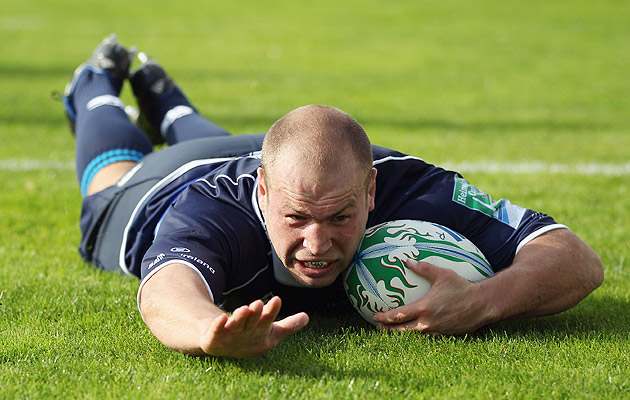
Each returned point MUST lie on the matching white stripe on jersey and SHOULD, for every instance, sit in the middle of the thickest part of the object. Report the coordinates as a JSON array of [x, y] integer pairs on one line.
[[393, 158], [537, 233], [228, 178], [158, 186], [246, 283]]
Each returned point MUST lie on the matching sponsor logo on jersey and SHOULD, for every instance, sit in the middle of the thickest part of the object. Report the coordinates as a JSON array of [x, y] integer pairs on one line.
[[180, 250], [159, 258], [197, 260], [470, 196]]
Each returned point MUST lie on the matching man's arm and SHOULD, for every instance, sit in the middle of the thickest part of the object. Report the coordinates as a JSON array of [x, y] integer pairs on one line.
[[552, 273], [178, 310]]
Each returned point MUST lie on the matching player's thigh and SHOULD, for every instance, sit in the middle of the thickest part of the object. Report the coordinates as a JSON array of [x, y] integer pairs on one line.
[[165, 161], [109, 175]]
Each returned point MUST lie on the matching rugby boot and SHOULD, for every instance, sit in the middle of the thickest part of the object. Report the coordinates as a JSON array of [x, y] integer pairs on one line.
[[109, 58], [149, 83]]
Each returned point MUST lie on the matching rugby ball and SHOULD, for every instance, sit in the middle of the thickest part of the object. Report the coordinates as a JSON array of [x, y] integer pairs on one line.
[[379, 280]]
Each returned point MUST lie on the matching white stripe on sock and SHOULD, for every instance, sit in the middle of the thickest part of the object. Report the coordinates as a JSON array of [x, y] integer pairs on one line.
[[104, 100], [172, 115]]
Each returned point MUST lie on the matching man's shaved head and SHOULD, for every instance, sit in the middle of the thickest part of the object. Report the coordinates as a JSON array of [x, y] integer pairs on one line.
[[320, 136], [316, 188]]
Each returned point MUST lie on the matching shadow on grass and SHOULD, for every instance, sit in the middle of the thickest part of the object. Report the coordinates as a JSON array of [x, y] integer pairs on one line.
[[314, 352], [306, 354], [596, 317]]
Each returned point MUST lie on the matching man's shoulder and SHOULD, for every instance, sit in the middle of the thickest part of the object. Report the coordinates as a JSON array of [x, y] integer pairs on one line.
[[247, 164], [380, 152], [389, 161], [232, 179], [383, 154]]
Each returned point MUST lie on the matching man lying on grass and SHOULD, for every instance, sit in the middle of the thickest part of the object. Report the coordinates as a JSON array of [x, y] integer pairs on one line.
[[212, 226]]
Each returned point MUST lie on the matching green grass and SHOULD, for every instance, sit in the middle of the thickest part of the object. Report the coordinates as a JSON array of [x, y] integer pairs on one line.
[[448, 81]]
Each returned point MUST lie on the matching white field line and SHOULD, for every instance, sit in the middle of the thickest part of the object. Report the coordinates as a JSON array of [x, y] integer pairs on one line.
[[35, 165], [539, 167], [491, 167]]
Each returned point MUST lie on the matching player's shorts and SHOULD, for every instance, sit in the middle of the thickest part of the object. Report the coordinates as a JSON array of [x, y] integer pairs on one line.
[[105, 214]]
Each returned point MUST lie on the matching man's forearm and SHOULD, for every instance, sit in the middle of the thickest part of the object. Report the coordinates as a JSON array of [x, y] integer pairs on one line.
[[178, 310], [176, 307], [551, 274]]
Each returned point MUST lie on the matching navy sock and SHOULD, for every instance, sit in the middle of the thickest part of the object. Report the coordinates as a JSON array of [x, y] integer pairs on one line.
[[104, 133], [192, 126], [178, 121]]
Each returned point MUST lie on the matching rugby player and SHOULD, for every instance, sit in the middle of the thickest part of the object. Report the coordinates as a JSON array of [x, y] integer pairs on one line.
[[222, 234]]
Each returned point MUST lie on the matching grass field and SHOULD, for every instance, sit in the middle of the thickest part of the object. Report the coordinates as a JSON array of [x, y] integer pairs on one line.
[[530, 100]]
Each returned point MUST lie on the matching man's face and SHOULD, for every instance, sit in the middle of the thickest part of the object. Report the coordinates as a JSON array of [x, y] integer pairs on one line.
[[316, 220]]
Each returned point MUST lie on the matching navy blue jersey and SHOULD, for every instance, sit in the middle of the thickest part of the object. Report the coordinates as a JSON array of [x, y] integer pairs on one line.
[[206, 217]]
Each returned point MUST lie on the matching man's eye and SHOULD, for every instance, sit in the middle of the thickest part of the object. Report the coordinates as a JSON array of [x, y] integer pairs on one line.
[[296, 217], [340, 218]]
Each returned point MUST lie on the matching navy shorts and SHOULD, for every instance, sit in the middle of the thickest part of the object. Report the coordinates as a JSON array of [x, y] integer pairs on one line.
[[105, 214]]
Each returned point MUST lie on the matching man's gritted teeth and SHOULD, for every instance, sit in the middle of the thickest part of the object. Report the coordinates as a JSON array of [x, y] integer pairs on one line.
[[316, 264]]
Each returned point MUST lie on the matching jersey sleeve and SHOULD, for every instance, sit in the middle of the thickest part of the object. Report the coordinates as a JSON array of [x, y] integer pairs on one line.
[[203, 236], [409, 188], [499, 228]]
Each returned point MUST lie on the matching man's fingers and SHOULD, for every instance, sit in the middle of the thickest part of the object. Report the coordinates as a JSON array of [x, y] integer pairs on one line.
[[251, 330], [396, 316], [217, 327], [253, 316], [270, 310], [411, 326], [400, 319], [256, 309], [238, 319], [426, 270], [429, 271], [289, 325]]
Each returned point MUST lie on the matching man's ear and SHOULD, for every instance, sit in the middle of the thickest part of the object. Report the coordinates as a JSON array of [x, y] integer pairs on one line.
[[262, 190], [372, 189]]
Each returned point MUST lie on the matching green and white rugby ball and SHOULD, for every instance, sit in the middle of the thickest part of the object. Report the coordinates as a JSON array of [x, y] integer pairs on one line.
[[379, 279]]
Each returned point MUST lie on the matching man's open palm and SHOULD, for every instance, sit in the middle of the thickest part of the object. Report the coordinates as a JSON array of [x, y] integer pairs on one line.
[[250, 330]]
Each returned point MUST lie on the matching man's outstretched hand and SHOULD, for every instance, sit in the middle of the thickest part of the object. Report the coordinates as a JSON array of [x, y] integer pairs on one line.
[[250, 330], [179, 311]]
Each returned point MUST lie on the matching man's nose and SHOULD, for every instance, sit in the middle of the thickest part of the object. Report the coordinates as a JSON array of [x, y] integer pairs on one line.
[[317, 239]]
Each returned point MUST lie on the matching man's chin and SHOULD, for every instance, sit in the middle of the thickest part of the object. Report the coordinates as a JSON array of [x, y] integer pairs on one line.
[[315, 283]]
